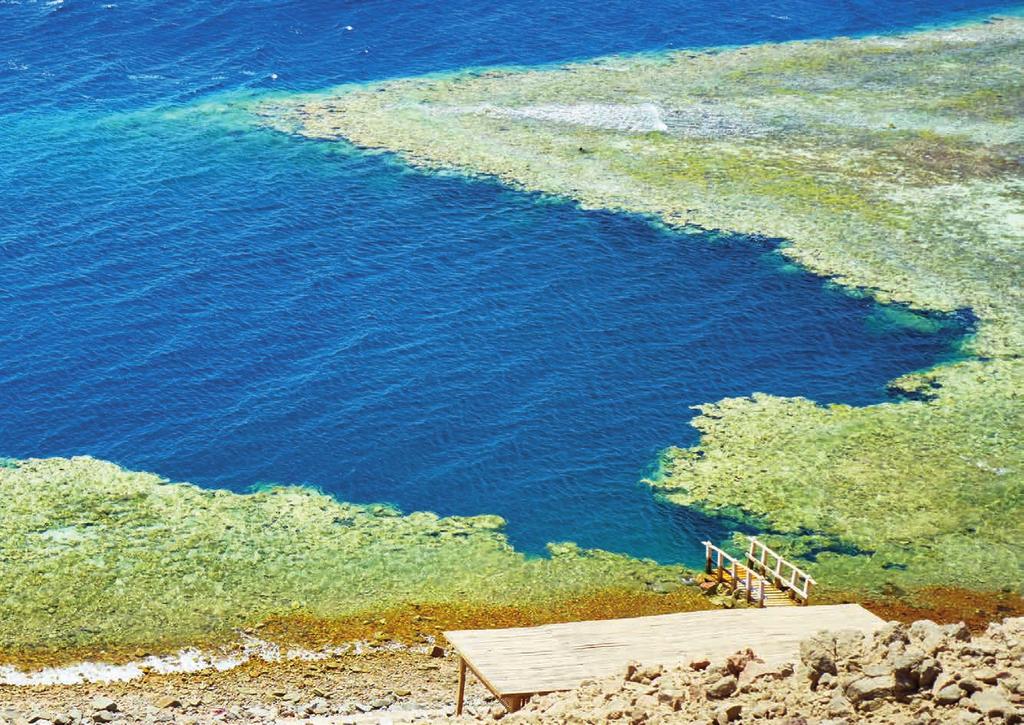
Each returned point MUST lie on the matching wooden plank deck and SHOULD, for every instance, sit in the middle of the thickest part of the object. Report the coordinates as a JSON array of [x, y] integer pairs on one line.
[[516, 663]]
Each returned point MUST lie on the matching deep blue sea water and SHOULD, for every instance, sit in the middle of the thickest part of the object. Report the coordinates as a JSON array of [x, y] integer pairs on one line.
[[184, 292]]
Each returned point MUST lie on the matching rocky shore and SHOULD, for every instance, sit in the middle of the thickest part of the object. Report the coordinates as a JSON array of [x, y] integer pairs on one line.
[[923, 673], [375, 686]]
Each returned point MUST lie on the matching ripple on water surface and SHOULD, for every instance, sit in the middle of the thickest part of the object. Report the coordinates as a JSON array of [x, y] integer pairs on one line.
[[227, 306]]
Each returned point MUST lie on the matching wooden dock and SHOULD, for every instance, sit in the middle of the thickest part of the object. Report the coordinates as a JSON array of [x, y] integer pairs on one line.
[[517, 663]]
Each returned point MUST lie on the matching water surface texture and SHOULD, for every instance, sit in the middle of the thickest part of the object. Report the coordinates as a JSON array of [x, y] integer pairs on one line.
[[184, 292]]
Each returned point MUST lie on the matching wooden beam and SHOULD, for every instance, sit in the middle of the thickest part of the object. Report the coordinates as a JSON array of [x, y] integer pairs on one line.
[[462, 685]]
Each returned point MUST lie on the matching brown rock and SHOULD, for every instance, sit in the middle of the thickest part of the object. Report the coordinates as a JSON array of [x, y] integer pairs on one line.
[[757, 670], [727, 713], [167, 701], [737, 662], [722, 688]]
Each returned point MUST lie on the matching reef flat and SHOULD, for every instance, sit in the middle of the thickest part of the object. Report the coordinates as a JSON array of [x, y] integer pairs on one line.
[[893, 165], [95, 557]]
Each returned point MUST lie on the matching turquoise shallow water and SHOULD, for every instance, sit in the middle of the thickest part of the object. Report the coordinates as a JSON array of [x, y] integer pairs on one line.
[[184, 292]]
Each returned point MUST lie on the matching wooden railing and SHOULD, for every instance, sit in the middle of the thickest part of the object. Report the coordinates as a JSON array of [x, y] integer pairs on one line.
[[754, 585], [784, 574]]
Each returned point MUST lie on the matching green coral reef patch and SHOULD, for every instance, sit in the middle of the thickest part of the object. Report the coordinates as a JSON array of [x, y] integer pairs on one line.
[[892, 164], [94, 556]]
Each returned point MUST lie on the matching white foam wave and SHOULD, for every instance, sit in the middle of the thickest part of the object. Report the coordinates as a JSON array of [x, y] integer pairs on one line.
[[186, 661]]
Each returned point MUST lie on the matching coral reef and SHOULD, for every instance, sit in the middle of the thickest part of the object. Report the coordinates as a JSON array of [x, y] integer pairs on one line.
[[922, 673], [891, 164], [94, 556]]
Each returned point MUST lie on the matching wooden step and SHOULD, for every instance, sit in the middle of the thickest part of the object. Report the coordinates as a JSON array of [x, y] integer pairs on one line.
[[773, 596]]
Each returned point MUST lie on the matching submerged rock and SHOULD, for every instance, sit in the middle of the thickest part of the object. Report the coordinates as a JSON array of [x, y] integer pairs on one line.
[[889, 164]]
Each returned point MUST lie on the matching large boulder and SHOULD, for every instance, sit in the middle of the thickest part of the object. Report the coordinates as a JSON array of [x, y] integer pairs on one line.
[[870, 688]]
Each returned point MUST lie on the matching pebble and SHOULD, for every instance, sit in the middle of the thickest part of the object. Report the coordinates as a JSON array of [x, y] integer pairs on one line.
[[104, 703], [168, 701]]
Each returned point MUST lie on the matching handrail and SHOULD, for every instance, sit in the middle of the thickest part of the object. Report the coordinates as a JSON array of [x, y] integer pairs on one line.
[[760, 559], [750, 579]]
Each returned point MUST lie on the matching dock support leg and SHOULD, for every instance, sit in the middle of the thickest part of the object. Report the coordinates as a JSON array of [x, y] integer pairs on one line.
[[462, 686]]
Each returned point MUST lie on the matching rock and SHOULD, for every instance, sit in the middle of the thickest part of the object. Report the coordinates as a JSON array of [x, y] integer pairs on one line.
[[849, 643], [103, 716], [877, 670], [167, 701], [927, 672], [650, 674], [631, 669], [647, 703], [758, 670], [291, 696], [722, 687], [839, 706], [381, 702], [700, 665], [728, 713], [104, 703], [673, 698], [818, 655], [949, 695], [906, 670], [986, 675], [437, 651], [737, 662], [869, 688], [892, 632], [958, 632], [969, 685], [826, 680], [991, 703], [927, 635], [61, 718]]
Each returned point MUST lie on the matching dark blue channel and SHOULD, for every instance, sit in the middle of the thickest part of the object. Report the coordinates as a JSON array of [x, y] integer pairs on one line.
[[228, 305]]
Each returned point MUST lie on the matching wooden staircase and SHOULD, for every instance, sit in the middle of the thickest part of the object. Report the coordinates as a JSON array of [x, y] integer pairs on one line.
[[765, 579], [773, 596]]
